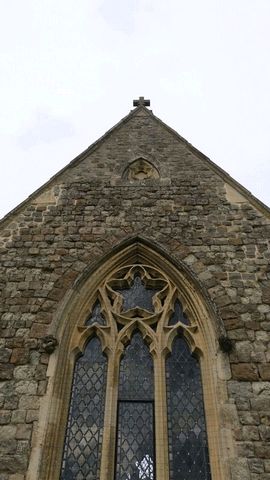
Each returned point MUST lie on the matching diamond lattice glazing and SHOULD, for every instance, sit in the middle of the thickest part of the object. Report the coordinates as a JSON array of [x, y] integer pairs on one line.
[[82, 451], [135, 455], [188, 450], [135, 434], [136, 371]]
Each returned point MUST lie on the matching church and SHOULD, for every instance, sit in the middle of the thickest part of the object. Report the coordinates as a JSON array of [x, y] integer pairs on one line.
[[135, 317]]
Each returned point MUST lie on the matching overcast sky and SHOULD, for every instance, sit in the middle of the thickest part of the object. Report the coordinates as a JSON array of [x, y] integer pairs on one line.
[[69, 71]]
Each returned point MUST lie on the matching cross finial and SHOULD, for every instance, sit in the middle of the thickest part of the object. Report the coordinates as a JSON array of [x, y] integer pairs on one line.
[[142, 102]]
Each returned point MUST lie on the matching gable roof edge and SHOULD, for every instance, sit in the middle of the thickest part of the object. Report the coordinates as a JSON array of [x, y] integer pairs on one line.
[[262, 207], [72, 163]]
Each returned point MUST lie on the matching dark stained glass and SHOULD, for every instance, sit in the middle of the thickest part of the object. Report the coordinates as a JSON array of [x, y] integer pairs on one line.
[[137, 295], [96, 316], [136, 371], [135, 430], [188, 450], [82, 451], [135, 445], [178, 315]]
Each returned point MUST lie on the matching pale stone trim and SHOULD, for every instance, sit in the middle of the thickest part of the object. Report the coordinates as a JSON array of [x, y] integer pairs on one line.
[[233, 195], [140, 169], [201, 336]]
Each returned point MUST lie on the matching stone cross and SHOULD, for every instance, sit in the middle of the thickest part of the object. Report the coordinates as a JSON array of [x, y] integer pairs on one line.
[[141, 102]]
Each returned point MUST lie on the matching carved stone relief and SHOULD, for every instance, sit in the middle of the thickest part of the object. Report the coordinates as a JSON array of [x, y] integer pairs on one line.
[[141, 169]]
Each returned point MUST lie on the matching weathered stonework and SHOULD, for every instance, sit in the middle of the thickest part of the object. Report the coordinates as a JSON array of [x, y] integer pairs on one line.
[[54, 242]]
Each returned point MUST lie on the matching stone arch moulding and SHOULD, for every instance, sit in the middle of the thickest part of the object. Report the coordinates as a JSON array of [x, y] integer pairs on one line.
[[141, 169], [68, 326]]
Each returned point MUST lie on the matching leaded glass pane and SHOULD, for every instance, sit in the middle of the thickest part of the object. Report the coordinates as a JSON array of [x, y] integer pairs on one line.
[[136, 371], [135, 443], [137, 295], [82, 451], [96, 316], [188, 450], [178, 315], [135, 431]]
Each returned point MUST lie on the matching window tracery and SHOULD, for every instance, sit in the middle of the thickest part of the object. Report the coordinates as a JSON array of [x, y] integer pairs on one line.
[[148, 339]]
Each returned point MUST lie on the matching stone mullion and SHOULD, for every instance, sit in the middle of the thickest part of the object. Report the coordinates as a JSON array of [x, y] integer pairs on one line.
[[161, 427], [110, 419]]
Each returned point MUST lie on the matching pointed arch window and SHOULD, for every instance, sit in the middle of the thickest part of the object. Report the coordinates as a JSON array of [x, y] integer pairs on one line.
[[188, 449], [136, 410], [135, 424], [82, 452]]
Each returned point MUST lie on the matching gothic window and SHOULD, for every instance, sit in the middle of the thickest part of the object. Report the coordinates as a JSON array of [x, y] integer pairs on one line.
[[188, 451], [136, 410], [135, 426], [82, 451]]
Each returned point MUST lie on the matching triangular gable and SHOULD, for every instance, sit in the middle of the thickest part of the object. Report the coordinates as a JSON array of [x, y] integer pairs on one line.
[[234, 189]]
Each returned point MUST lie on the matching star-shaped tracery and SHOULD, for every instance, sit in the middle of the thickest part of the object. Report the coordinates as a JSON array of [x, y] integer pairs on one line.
[[137, 292], [137, 295]]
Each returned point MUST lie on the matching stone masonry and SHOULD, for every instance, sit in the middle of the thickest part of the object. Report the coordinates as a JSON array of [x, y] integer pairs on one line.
[[194, 211]]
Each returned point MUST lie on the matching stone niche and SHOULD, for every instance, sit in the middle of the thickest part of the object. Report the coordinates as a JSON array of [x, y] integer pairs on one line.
[[141, 169]]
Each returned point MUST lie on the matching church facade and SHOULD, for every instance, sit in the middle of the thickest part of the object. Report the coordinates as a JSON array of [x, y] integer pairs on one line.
[[135, 318]]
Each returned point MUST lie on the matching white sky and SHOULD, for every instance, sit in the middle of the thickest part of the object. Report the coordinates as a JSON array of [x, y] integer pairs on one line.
[[69, 70]]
